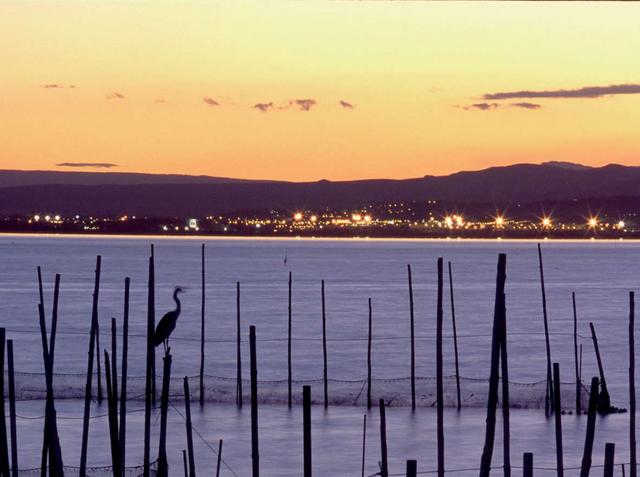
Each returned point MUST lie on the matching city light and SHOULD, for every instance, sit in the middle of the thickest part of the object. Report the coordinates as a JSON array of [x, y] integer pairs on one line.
[[499, 221], [36, 218], [448, 221], [593, 222], [459, 220], [546, 222], [621, 224], [367, 218], [297, 216], [314, 218], [356, 217]]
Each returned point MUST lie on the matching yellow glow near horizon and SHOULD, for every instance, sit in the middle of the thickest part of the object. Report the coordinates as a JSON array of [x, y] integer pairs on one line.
[[593, 222], [297, 216], [621, 224], [546, 222], [500, 220], [190, 73]]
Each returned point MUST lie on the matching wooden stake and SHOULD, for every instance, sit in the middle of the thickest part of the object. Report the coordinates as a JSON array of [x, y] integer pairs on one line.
[[239, 354], [506, 431], [591, 427], [163, 467], [151, 322], [369, 357], [384, 466], [114, 364], [122, 438], [255, 455], [632, 385], [527, 464], [113, 419], [202, 313], [412, 468], [150, 371], [187, 410], [184, 463], [4, 447], [12, 410], [87, 390], [219, 458], [557, 410], [439, 373], [549, 397], [324, 351], [364, 442], [604, 402], [99, 375], [289, 365], [487, 452], [609, 455], [455, 337], [306, 429], [413, 346], [575, 355]]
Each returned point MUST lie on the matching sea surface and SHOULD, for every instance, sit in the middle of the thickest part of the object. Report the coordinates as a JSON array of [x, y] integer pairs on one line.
[[601, 273]]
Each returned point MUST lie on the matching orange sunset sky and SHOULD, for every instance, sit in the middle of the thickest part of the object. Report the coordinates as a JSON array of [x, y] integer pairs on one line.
[[317, 89]]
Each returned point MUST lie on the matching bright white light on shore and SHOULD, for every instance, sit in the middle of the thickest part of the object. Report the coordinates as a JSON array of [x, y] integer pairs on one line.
[[367, 218], [448, 221], [356, 217], [593, 222], [314, 218], [459, 220], [621, 224], [499, 220], [36, 217], [57, 218], [297, 216], [47, 218], [546, 222]]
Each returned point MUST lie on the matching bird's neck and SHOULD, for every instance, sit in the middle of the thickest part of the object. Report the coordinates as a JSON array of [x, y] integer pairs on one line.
[[177, 300]]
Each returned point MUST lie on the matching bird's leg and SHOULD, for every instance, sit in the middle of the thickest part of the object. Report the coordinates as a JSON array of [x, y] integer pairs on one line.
[[164, 343]]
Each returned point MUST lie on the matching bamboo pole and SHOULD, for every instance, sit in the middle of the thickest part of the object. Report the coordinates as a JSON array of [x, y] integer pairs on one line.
[[324, 351], [549, 397], [99, 372], [364, 442], [369, 356], [151, 321], [219, 458], [45, 357], [506, 421], [413, 346], [184, 463], [487, 452], [163, 467], [455, 338], [4, 447], [202, 334], [306, 429], [575, 355], [527, 464], [412, 468], [255, 454], [114, 364], [12, 410], [609, 456], [122, 438], [238, 346], [289, 338], [87, 391], [632, 386], [557, 410], [439, 373], [187, 410], [591, 427], [384, 466], [113, 417], [604, 402]]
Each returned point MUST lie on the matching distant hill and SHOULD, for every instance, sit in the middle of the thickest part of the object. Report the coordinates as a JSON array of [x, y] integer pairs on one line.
[[174, 195]]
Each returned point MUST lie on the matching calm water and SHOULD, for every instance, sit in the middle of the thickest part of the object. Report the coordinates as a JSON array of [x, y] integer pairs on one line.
[[601, 274]]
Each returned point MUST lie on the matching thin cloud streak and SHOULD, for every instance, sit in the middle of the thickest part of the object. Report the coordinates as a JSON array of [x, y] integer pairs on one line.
[[585, 92], [346, 104], [264, 107], [210, 101], [525, 105], [115, 95], [97, 165]]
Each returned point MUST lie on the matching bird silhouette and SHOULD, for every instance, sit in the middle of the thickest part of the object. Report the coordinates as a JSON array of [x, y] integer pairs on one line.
[[167, 323]]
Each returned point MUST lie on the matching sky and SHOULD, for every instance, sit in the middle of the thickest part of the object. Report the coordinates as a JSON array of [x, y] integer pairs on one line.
[[310, 90]]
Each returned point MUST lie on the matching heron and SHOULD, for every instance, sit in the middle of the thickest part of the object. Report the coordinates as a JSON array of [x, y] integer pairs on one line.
[[167, 323]]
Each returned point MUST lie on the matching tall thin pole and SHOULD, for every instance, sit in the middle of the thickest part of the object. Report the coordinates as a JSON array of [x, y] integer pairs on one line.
[[575, 356], [549, 396], [187, 410], [113, 419], [238, 350], [506, 420], [558, 419], [369, 357], [632, 385], [163, 467], [290, 325], [384, 466], [151, 321], [255, 454], [324, 351], [12, 410], [99, 372], [149, 372], [123, 387], [490, 431], [87, 391], [527, 465], [455, 337], [591, 428], [439, 373], [114, 361], [609, 454], [184, 463], [202, 313], [219, 458], [4, 448], [604, 402], [412, 468], [306, 429], [413, 345], [364, 442]]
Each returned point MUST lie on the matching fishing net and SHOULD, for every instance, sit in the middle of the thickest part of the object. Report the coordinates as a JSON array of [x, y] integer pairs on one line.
[[395, 392], [133, 471]]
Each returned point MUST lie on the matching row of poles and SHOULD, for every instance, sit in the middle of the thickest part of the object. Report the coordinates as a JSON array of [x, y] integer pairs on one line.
[[52, 455]]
